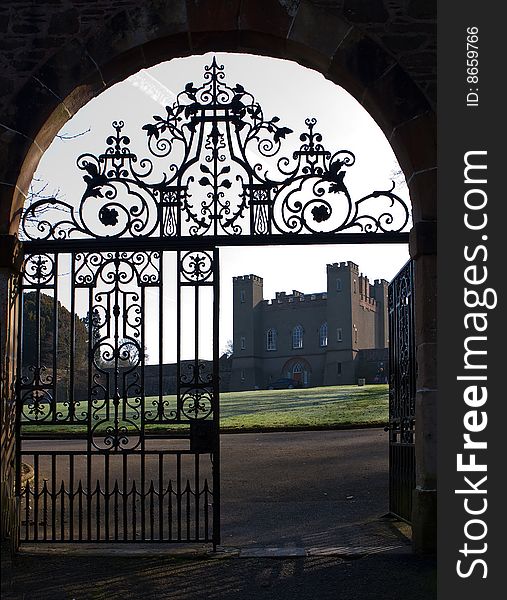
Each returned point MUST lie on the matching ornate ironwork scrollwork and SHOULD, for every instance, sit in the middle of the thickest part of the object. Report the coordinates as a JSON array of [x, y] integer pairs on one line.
[[196, 396], [211, 186], [116, 435], [196, 267], [115, 280], [197, 403], [37, 405], [39, 270]]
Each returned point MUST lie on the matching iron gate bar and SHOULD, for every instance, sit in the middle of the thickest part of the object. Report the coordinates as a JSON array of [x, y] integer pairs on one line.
[[220, 241], [62, 512], [215, 456], [402, 390]]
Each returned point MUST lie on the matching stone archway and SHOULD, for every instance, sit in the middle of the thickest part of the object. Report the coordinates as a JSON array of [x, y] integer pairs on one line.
[[298, 369], [382, 55]]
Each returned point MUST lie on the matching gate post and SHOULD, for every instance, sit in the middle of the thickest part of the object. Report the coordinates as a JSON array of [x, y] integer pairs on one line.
[[424, 512], [10, 263]]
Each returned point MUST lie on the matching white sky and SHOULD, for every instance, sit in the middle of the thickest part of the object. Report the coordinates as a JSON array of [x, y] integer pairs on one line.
[[284, 89]]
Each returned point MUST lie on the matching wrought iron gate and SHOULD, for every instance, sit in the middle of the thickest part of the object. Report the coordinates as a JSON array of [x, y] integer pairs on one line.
[[128, 466], [117, 453], [402, 380]]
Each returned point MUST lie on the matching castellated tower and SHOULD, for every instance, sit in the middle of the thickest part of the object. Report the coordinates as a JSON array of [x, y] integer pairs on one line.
[[247, 296], [380, 291], [357, 321], [342, 292]]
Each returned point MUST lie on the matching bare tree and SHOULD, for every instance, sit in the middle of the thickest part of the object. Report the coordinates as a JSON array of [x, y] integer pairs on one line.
[[42, 202], [398, 177], [229, 348]]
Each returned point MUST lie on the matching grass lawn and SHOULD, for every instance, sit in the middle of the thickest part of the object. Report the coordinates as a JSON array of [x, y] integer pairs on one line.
[[312, 408], [320, 407]]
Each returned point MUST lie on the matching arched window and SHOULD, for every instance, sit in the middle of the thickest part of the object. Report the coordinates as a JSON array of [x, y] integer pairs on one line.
[[271, 339], [338, 285], [297, 337], [323, 335]]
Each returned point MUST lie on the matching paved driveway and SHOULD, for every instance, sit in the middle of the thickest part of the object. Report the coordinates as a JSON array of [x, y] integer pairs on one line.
[[302, 489], [298, 490]]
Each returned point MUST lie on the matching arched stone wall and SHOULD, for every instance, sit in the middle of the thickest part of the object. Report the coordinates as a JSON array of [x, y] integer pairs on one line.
[[59, 55]]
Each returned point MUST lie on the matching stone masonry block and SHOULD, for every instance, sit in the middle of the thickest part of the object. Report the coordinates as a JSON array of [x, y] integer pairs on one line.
[[422, 9], [263, 44], [6, 192], [425, 299], [64, 22], [407, 100], [320, 28], [110, 41], [358, 63], [157, 19], [423, 193], [268, 16], [424, 521], [307, 56], [426, 437], [67, 68], [415, 142], [165, 48], [423, 239], [122, 65], [214, 41], [209, 15], [30, 108], [365, 11], [427, 364]]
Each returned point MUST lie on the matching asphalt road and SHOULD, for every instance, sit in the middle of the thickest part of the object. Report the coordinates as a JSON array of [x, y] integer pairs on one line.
[[301, 489]]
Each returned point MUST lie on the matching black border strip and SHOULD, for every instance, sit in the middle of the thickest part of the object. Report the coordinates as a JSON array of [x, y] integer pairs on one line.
[[465, 129]]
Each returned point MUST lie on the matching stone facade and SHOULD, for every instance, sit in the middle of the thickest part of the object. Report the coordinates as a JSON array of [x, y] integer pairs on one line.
[[318, 339]]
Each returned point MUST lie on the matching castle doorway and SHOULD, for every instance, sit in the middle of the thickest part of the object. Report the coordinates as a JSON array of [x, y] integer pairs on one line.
[[297, 373], [298, 369], [128, 467]]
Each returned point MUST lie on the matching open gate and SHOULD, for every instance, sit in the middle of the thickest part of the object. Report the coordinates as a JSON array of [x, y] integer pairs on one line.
[[110, 447], [402, 386]]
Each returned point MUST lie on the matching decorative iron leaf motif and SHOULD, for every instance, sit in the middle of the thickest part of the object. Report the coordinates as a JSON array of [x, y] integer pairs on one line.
[[321, 213], [108, 216], [206, 182]]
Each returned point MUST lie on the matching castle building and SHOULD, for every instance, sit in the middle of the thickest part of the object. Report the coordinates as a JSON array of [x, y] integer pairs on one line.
[[327, 338]]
